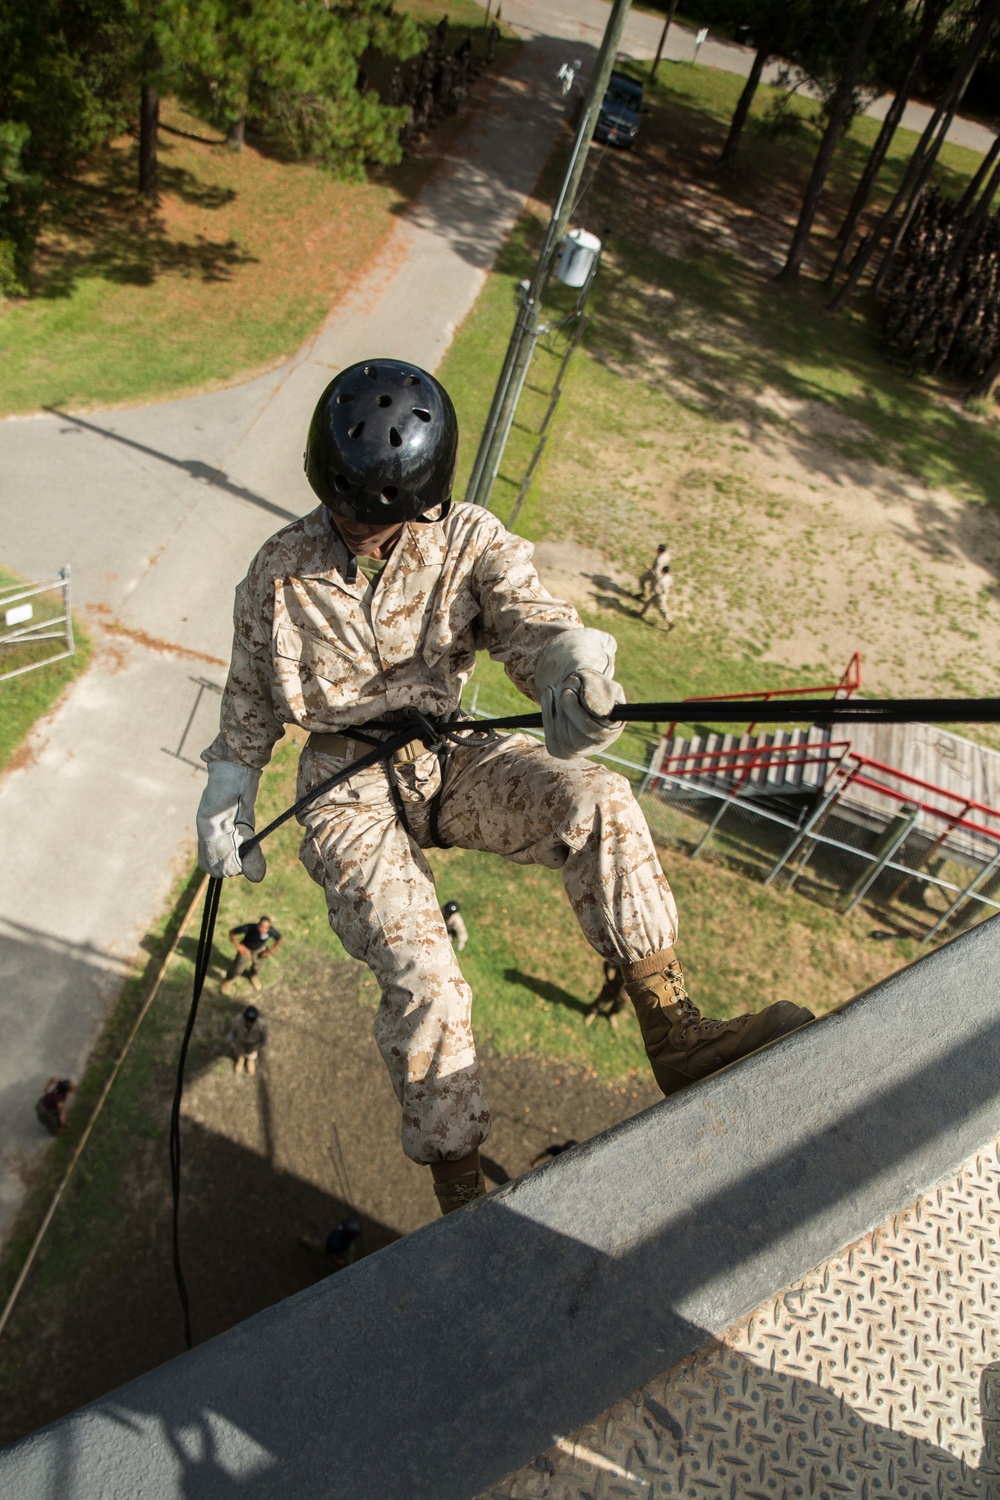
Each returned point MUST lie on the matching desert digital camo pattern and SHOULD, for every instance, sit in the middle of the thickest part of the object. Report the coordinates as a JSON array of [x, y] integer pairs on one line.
[[508, 797], [314, 650]]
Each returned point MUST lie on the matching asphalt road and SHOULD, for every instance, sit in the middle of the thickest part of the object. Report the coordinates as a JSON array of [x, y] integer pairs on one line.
[[584, 21]]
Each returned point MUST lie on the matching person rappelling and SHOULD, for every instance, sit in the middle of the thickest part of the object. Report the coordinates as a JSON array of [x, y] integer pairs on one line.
[[370, 607]]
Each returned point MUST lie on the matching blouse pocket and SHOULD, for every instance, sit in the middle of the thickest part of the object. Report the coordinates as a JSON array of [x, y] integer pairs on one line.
[[312, 673], [449, 629]]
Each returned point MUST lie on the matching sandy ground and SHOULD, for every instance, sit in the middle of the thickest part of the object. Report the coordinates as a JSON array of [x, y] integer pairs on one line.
[[264, 1167], [787, 540]]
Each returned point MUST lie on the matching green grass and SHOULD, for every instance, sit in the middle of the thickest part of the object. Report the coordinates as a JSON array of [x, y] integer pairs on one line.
[[725, 332], [243, 258], [24, 699]]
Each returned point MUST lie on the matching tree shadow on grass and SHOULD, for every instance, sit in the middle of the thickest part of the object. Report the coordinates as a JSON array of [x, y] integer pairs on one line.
[[553, 993], [100, 227], [686, 304]]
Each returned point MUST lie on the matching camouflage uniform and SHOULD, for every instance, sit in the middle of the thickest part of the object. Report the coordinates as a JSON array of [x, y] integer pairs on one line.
[[655, 586], [660, 596], [315, 650]]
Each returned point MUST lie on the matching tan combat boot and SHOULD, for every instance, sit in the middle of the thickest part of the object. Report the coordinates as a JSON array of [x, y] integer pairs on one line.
[[460, 1191], [683, 1045]]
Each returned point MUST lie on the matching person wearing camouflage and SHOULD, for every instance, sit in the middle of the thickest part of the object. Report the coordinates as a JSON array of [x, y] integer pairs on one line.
[[318, 646]]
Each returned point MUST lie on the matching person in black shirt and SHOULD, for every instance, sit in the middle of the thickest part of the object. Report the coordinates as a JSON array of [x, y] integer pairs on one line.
[[254, 942], [51, 1107]]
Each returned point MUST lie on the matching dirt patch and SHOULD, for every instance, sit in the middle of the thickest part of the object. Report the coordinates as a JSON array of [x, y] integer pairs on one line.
[[259, 1173], [571, 571], [784, 545]]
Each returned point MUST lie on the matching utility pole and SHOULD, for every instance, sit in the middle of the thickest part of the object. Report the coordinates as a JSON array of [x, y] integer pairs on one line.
[[528, 326]]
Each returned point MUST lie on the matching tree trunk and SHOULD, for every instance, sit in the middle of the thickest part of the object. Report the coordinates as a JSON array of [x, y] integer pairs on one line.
[[824, 156], [927, 147], [974, 221], [969, 196], [149, 119], [663, 40], [932, 16], [237, 132], [743, 107], [986, 384]]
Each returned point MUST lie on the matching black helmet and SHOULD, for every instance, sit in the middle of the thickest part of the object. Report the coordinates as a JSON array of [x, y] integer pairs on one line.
[[250, 1014], [450, 909], [382, 443]]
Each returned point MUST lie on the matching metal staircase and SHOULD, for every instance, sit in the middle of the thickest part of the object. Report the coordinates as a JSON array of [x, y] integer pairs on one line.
[[754, 765]]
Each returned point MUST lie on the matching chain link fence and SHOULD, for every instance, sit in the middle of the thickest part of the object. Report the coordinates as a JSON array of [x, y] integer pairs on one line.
[[860, 833]]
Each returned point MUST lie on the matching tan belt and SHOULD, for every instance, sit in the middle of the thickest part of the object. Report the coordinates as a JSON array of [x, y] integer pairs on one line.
[[343, 748]]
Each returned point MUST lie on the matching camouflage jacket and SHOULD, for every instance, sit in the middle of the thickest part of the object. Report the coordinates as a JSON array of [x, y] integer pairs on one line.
[[312, 649]]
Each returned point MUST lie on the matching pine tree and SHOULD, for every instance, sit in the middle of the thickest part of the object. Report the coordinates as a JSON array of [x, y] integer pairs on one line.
[[290, 68]]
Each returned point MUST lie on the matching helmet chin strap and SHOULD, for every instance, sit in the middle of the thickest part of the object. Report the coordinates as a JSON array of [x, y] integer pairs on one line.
[[426, 520]]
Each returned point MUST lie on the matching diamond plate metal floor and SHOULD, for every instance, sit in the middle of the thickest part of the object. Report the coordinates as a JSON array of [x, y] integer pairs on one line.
[[877, 1376]]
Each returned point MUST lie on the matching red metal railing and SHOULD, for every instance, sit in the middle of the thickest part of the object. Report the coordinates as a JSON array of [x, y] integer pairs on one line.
[[956, 818], [846, 685], [742, 763]]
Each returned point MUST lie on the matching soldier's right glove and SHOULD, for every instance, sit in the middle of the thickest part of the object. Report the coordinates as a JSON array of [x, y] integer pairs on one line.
[[226, 820], [576, 688]]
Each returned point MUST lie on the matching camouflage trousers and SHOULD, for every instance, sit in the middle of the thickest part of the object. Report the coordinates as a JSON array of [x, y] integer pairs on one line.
[[509, 798]]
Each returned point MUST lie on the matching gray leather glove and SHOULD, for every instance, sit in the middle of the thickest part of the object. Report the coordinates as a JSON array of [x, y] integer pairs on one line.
[[225, 821], [574, 680]]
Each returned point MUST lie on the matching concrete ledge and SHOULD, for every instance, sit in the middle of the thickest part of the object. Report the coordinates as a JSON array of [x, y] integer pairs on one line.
[[442, 1363]]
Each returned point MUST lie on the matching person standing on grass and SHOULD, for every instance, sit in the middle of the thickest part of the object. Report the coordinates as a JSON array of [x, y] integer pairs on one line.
[[375, 604], [51, 1107], [655, 585], [246, 1036], [254, 942], [455, 925]]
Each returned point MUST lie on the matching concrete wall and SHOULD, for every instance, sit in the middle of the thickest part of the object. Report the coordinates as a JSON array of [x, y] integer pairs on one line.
[[430, 1370]]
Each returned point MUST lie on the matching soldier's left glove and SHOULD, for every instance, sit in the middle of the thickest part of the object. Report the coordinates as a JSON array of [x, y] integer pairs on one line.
[[226, 820], [575, 684]]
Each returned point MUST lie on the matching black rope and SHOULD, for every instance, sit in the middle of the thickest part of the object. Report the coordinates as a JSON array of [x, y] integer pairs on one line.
[[789, 711], [201, 967], [200, 973], [437, 733]]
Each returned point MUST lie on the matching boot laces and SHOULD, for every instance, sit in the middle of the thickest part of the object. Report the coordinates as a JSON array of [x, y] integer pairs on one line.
[[685, 1009], [681, 1002]]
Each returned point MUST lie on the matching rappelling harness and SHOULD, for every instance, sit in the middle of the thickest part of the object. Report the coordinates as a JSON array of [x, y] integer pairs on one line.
[[393, 738]]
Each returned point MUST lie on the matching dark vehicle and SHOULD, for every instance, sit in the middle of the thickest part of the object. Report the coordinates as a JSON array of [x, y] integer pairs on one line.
[[618, 121]]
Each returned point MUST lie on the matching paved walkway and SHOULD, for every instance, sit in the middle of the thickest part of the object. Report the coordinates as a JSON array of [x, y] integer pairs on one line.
[[159, 510], [584, 21]]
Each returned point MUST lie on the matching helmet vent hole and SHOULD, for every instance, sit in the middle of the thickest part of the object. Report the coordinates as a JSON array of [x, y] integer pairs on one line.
[[371, 372], [342, 484], [345, 397], [394, 438], [356, 430], [383, 401], [389, 494], [422, 413], [410, 380]]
